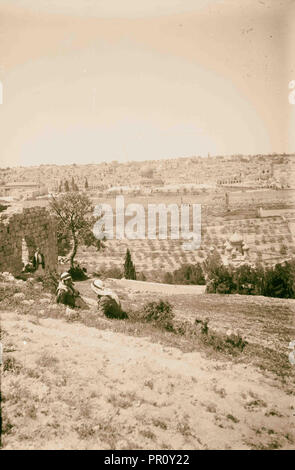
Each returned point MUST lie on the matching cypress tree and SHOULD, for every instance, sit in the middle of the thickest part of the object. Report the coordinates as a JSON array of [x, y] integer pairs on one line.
[[129, 268]]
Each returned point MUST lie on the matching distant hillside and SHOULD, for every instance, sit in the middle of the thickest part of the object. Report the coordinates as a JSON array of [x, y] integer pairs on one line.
[[221, 170]]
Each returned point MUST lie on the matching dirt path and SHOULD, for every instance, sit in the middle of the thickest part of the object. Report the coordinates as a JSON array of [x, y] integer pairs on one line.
[[165, 289], [84, 388], [126, 286]]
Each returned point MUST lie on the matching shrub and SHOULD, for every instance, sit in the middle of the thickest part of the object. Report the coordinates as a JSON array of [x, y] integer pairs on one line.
[[223, 288], [220, 343], [47, 360], [280, 281], [10, 364], [277, 281], [6, 427], [283, 250], [186, 274], [204, 325], [168, 278], [49, 281], [190, 274], [248, 280], [111, 309], [3, 208], [113, 272], [221, 280], [141, 276], [78, 273], [184, 328], [160, 312], [237, 342]]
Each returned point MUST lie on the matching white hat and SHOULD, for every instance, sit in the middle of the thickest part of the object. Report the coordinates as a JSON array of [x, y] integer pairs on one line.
[[64, 276], [98, 287], [98, 283]]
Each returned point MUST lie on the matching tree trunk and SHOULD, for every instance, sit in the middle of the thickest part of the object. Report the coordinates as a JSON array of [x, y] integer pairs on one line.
[[74, 249]]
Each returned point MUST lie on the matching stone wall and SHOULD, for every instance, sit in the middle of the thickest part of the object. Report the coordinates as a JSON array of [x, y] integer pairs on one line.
[[33, 227]]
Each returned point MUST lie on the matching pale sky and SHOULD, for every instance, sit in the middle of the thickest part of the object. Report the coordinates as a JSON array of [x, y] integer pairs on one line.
[[99, 80]]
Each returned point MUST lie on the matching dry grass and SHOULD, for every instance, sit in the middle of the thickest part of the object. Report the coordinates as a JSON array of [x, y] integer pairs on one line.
[[98, 383]]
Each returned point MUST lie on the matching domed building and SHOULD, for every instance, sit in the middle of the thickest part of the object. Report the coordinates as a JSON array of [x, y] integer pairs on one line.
[[235, 250], [236, 241]]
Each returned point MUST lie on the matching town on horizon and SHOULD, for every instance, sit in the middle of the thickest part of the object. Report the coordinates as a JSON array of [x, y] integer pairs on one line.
[[147, 227]]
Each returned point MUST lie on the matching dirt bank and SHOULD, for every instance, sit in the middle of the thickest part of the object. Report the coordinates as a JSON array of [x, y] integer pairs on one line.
[[83, 388]]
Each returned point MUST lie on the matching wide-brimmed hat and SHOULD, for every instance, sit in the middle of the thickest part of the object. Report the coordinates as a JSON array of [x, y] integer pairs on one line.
[[65, 276], [98, 287]]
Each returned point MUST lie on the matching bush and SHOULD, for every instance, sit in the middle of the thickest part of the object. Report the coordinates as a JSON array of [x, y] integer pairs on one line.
[[277, 281], [220, 343], [221, 280], [184, 328], [237, 342], [113, 272], [160, 312], [204, 325], [168, 278], [111, 309], [78, 273], [280, 281], [283, 250], [186, 274], [49, 281], [248, 280], [10, 364], [3, 208], [141, 276], [223, 288]]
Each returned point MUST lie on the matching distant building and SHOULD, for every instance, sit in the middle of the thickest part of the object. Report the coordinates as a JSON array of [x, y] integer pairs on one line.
[[149, 182], [23, 189]]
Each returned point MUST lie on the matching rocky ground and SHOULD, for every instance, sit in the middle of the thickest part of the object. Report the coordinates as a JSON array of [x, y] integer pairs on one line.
[[66, 385]]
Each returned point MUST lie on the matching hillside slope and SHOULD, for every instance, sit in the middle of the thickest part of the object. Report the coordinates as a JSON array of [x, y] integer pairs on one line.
[[70, 386]]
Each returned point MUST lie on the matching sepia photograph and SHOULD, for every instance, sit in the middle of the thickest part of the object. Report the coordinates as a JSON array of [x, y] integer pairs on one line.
[[147, 223]]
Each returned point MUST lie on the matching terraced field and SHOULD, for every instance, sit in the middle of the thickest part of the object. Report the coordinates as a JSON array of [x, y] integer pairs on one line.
[[269, 240]]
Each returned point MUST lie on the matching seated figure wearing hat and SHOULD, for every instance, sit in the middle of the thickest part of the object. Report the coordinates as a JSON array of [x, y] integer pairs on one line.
[[108, 302], [66, 292]]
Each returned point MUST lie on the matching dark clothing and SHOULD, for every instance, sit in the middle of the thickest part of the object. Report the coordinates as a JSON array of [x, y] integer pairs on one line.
[[68, 295], [66, 298], [109, 307], [38, 260]]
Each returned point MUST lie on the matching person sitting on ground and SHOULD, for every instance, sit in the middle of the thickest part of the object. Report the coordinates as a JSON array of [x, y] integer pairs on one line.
[[28, 268], [67, 294], [108, 302]]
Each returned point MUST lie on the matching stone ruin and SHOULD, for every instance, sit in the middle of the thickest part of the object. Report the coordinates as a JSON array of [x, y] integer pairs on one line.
[[21, 233]]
